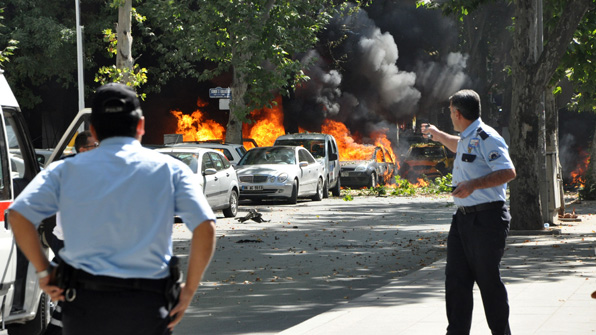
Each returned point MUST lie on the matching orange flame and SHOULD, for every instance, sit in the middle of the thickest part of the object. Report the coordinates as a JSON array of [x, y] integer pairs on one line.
[[269, 124], [578, 175], [348, 148], [194, 128]]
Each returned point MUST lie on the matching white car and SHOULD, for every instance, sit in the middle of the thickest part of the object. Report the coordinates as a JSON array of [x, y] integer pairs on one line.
[[219, 179], [280, 172], [233, 152]]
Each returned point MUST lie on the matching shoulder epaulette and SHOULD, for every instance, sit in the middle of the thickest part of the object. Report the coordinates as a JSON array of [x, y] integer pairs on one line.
[[483, 135]]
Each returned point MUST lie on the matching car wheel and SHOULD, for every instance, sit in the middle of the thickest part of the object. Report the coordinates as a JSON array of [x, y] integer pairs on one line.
[[372, 180], [294, 197], [326, 188], [319, 195], [335, 191], [232, 209]]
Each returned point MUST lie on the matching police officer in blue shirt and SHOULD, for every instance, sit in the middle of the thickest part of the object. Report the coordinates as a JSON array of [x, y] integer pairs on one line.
[[479, 227], [117, 205]]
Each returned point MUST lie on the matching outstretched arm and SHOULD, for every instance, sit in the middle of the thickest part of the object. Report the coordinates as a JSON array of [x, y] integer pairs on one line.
[[448, 140]]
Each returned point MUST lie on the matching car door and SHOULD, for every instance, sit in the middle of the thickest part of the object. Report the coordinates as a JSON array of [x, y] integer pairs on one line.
[[209, 180], [381, 165], [309, 172], [222, 178], [7, 247]]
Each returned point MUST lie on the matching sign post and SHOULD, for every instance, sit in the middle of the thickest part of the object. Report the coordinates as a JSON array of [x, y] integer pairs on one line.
[[224, 95]]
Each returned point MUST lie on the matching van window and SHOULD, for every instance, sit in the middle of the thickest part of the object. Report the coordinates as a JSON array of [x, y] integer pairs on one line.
[[5, 174], [316, 147], [17, 163]]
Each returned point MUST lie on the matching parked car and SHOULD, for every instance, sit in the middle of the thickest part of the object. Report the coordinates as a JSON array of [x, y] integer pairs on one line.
[[425, 159], [233, 152], [280, 172], [379, 169], [324, 149], [219, 180]]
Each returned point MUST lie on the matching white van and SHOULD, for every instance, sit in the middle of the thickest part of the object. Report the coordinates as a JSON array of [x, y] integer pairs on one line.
[[24, 308], [324, 149]]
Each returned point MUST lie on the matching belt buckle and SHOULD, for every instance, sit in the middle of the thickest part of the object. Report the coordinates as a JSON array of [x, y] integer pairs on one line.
[[462, 209]]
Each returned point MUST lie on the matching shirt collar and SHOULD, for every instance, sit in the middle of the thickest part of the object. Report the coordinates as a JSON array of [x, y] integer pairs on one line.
[[119, 140], [471, 128]]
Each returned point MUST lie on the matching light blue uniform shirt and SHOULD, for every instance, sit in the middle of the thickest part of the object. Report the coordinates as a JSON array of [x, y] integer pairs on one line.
[[480, 151], [117, 204]]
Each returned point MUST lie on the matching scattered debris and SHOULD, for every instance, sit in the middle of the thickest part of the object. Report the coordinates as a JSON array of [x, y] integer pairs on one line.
[[253, 215], [250, 241]]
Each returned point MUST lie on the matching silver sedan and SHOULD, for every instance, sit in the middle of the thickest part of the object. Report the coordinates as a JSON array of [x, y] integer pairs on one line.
[[280, 172]]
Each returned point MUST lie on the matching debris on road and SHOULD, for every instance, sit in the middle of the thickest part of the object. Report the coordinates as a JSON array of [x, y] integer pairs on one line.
[[253, 215]]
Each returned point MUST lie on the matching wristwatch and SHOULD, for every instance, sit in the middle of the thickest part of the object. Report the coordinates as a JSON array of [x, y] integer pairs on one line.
[[45, 273]]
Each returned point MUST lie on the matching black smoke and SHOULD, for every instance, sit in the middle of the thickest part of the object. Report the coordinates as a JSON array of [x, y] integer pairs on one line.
[[377, 69]]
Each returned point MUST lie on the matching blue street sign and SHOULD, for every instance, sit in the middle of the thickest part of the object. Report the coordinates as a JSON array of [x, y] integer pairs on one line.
[[222, 93]]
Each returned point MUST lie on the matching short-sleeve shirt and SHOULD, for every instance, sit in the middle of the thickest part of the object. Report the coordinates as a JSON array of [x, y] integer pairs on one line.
[[480, 151], [117, 205]]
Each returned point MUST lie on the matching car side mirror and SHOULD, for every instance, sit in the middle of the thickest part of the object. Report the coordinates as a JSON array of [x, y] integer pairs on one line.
[[333, 156], [303, 164], [210, 171]]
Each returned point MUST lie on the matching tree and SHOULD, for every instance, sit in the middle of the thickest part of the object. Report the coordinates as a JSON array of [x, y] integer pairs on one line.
[[532, 71], [255, 41]]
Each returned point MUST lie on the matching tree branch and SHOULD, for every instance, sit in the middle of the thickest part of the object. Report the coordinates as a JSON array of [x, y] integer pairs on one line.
[[560, 38]]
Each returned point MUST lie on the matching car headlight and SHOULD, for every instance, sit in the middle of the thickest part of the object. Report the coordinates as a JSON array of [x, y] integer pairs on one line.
[[271, 179], [282, 177], [360, 168]]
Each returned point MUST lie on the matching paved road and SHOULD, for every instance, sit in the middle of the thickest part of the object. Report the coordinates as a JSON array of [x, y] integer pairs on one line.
[[270, 276]]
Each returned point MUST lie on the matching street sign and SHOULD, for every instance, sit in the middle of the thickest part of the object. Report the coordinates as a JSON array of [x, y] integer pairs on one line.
[[224, 104], [222, 93]]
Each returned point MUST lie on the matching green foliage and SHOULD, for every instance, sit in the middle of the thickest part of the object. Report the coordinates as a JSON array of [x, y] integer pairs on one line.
[[437, 186], [110, 74], [579, 65], [8, 51], [348, 197], [10, 48], [258, 42]]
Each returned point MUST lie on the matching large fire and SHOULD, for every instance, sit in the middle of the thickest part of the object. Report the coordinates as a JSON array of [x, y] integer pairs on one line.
[[269, 124], [194, 128]]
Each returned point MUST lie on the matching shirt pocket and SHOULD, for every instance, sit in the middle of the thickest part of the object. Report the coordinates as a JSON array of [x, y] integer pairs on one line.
[[468, 158]]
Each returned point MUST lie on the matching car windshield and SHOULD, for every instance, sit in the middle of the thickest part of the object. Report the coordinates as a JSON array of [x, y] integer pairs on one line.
[[271, 155], [427, 152], [316, 147]]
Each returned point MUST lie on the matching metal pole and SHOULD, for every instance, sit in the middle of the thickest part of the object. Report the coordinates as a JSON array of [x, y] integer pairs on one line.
[[81, 82]]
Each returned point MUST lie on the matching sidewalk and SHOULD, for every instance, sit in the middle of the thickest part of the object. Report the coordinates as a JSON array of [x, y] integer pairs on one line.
[[549, 278]]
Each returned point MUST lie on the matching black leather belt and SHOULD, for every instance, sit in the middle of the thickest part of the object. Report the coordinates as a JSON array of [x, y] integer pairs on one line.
[[481, 207], [88, 281]]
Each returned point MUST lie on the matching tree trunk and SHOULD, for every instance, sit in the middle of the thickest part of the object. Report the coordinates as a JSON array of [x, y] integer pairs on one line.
[[237, 106], [531, 72], [525, 122], [124, 55]]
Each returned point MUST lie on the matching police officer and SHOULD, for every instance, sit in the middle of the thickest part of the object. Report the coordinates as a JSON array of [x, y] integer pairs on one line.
[[480, 225], [117, 204]]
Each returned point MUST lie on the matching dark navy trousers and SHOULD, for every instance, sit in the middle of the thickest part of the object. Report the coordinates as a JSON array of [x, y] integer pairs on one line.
[[475, 246]]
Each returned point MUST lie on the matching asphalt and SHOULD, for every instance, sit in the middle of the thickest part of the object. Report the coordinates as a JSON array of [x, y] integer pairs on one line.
[[549, 275]]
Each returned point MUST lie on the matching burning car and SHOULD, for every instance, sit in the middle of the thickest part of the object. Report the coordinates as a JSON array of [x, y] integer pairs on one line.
[[219, 179], [425, 159], [280, 172], [379, 169]]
